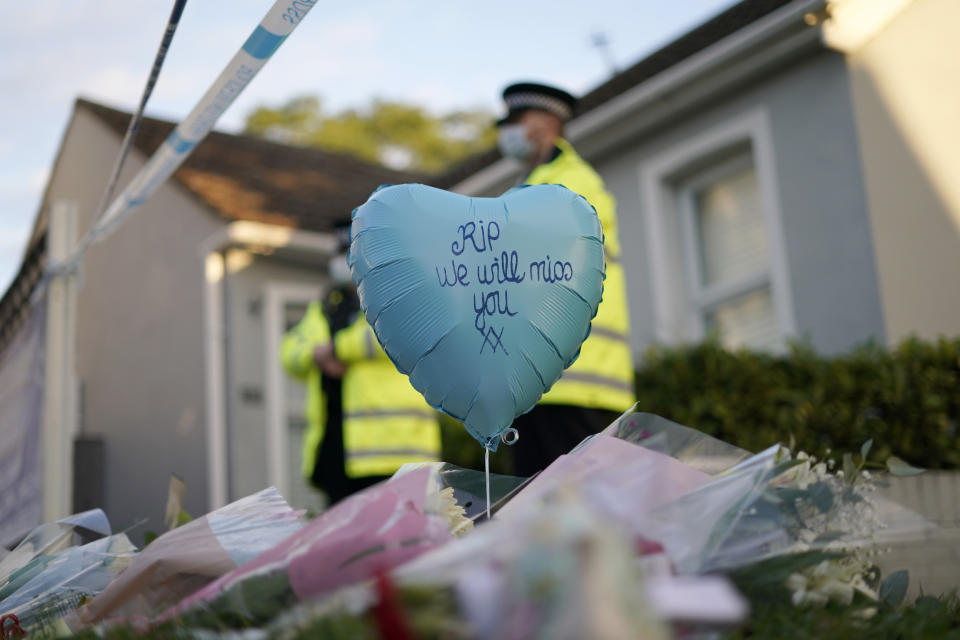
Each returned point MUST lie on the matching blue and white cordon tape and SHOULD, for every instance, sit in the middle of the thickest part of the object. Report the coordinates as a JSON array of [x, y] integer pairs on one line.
[[279, 22]]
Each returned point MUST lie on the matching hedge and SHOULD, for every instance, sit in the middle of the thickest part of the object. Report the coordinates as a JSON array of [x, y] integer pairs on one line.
[[906, 399]]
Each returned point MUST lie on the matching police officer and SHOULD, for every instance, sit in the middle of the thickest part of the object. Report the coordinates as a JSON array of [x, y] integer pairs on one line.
[[598, 387], [383, 421]]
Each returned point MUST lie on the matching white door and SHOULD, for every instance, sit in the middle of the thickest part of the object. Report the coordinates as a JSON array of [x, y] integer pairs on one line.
[[285, 305]]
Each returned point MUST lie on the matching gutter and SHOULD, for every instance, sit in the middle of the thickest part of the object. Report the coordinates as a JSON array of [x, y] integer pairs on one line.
[[260, 235], [760, 46]]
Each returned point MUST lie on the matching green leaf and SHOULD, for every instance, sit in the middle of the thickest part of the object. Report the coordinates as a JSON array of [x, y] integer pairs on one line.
[[790, 495], [865, 449], [899, 467], [928, 605], [894, 588], [760, 577], [821, 496], [828, 537], [849, 468], [783, 467], [183, 518], [149, 536]]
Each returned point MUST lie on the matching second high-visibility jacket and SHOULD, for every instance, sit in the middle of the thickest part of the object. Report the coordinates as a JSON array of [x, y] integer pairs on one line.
[[386, 422], [296, 352], [602, 377]]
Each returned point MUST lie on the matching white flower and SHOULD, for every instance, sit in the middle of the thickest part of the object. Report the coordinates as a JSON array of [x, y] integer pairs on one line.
[[456, 515], [798, 598], [838, 591], [797, 582], [831, 580]]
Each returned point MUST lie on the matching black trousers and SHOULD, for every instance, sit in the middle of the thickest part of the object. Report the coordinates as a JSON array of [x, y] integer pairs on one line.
[[329, 473], [551, 430]]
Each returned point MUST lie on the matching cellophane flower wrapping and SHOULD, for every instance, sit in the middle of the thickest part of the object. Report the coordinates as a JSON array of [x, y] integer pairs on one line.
[[468, 486], [53, 537], [757, 508], [374, 530], [51, 586], [187, 558], [561, 571]]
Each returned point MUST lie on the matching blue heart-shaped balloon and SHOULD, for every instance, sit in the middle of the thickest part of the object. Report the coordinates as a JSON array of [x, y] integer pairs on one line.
[[482, 302]]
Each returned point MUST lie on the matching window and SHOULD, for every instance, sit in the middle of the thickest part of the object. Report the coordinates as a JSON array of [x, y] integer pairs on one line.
[[727, 255], [714, 238]]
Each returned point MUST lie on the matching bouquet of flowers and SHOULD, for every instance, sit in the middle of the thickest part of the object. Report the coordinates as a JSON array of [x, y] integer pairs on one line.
[[53, 537], [811, 526], [188, 557], [372, 531], [51, 586]]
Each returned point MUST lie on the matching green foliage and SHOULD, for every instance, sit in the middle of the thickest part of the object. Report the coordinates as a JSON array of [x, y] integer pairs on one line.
[[928, 618], [898, 467], [894, 588], [765, 581], [183, 517], [402, 136], [434, 614], [906, 400]]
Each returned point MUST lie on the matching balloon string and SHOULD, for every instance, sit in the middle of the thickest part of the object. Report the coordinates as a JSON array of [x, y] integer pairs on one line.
[[486, 465]]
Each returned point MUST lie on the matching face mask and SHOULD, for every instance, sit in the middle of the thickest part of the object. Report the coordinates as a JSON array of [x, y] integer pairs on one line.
[[513, 143], [339, 271]]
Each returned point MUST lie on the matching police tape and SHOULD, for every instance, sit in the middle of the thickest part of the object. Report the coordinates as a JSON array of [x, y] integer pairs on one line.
[[275, 27]]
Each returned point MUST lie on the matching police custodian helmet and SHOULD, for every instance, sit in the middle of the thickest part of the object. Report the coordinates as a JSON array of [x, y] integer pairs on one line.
[[531, 95]]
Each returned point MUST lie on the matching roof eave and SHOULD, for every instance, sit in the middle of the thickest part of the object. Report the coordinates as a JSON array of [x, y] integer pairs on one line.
[[268, 238], [771, 41]]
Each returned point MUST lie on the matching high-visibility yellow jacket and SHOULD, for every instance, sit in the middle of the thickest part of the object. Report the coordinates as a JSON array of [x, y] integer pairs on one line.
[[602, 377], [386, 422], [296, 353]]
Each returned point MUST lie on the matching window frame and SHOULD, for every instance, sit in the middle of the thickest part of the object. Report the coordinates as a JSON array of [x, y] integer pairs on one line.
[[704, 298], [668, 212], [276, 295]]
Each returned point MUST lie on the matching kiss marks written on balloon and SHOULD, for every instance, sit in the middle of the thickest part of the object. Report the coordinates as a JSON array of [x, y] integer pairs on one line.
[[503, 269], [494, 339]]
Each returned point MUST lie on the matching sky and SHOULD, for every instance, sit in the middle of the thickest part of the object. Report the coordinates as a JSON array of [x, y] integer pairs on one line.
[[442, 55]]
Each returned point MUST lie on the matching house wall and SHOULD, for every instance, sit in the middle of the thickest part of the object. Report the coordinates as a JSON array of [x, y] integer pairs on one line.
[[906, 97], [139, 332], [825, 226]]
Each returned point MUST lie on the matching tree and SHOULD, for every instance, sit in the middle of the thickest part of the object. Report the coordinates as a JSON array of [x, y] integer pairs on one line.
[[398, 135]]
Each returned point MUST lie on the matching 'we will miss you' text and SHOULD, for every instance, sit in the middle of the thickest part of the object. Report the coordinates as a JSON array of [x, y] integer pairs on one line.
[[496, 272]]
